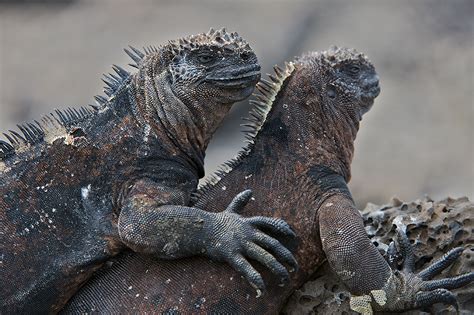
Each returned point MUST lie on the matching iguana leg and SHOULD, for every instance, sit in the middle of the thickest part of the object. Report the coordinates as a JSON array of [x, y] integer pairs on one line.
[[348, 249], [172, 231], [368, 276]]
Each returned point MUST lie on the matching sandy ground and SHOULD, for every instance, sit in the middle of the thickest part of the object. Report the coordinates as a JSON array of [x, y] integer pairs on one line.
[[417, 140]]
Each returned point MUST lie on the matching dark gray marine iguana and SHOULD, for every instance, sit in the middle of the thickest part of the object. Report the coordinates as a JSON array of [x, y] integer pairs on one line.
[[297, 164], [82, 185]]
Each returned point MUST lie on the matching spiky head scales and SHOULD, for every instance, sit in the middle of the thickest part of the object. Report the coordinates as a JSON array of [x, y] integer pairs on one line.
[[334, 57], [214, 39]]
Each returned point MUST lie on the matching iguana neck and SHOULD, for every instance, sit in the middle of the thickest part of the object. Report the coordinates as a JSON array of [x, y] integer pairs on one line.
[[325, 138], [188, 125]]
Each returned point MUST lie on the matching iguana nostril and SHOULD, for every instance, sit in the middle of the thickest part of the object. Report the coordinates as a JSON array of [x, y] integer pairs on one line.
[[331, 92], [371, 86], [371, 82]]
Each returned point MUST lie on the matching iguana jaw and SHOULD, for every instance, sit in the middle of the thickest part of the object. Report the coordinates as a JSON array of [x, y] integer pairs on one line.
[[371, 91], [237, 78], [234, 85]]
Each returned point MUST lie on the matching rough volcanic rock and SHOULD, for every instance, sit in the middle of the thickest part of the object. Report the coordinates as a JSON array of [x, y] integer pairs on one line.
[[432, 227]]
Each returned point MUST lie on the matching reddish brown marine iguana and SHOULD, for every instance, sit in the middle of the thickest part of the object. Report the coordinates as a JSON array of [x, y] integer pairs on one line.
[[298, 164], [81, 185]]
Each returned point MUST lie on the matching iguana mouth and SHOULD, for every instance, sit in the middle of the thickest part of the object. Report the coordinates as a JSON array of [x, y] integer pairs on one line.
[[373, 92], [239, 78], [371, 89]]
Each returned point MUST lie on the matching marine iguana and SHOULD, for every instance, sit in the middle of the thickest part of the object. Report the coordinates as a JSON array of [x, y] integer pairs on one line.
[[82, 185], [297, 164]]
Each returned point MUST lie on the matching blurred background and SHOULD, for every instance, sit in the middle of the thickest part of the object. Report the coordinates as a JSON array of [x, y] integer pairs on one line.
[[417, 140]]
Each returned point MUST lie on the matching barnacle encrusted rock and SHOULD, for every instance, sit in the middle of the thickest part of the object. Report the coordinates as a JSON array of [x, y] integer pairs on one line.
[[432, 227]]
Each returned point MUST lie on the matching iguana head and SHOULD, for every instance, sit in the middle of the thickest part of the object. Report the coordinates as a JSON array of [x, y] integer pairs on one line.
[[217, 64], [312, 108], [187, 86], [212, 68], [345, 78]]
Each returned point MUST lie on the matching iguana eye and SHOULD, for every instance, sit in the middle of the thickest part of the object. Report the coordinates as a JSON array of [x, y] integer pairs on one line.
[[205, 58], [353, 69], [331, 91]]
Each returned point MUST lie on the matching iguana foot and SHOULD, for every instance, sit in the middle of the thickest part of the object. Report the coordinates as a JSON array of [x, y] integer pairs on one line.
[[412, 290], [234, 239], [431, 291], [405, 289]]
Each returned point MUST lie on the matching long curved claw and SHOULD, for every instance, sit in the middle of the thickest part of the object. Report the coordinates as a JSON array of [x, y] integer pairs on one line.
[[427, 298], [393, 255], [280, 251], [274, 225], [448, 283], [441, 264], [240, 264], [406, 251], [265, 258]]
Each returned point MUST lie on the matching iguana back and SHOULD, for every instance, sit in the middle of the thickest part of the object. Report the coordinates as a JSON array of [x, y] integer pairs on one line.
[[46, 225]]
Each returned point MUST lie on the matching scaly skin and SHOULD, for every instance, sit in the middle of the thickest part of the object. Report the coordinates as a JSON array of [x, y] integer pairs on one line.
[[81, 186], [298, 166]]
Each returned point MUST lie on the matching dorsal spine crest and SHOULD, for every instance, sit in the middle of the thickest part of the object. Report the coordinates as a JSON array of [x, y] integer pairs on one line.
[[61, 120], [258, 114]]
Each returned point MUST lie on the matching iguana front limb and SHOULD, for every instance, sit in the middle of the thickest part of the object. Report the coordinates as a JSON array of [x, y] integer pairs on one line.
[[187, 99], [373, 283], [163, 227]]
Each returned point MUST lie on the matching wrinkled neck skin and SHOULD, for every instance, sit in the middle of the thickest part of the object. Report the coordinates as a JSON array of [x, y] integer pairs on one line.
[[182, 125], [309, 131]]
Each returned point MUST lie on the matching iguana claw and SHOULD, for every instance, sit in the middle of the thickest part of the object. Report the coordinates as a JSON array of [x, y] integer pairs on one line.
[[234, 239], [424, 299], [418, 290]]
